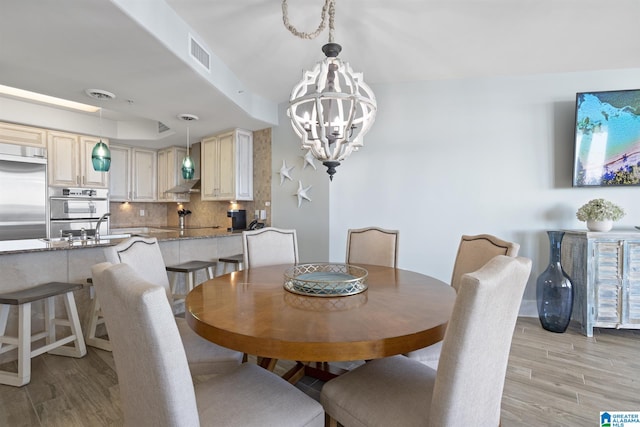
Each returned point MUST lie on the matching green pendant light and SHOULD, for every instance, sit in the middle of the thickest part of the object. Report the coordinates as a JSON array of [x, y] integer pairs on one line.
[[188, 168], [101, 155]]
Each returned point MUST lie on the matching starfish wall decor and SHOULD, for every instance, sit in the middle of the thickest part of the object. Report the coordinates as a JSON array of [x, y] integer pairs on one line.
[[285, 172], [302, 193]]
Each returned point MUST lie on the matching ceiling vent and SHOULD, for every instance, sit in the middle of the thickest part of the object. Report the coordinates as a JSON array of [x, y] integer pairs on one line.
[[99, 94], [187, 117], [199, 53], [162, 127]]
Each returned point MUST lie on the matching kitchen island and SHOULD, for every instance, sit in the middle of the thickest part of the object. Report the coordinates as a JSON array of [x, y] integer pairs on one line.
[[116, 236], [26, 263]]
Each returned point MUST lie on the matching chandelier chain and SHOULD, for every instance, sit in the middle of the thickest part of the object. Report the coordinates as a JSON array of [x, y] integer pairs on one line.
[[328, 10]]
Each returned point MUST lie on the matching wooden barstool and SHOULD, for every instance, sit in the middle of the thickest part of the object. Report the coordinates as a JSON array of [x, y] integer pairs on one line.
[[190, 268], [25, 337], [95, 320], [235, 261]]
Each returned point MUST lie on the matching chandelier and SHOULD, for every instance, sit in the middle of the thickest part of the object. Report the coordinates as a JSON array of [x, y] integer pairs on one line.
[[331, 108]]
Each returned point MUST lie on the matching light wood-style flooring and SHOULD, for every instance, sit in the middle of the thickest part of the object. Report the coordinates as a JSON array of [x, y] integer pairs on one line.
[[567, 379], [552, 380]]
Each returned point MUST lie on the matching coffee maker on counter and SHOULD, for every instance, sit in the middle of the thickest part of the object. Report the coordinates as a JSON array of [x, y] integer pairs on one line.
[[238, 219]]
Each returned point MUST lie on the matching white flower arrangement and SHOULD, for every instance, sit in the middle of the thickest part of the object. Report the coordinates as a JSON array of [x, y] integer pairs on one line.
[[600, 210]]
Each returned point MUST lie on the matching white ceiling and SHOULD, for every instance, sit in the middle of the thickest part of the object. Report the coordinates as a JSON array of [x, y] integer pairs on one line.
[[132, 48]]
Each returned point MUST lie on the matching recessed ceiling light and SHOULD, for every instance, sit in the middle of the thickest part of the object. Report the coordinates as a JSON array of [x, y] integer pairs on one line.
[[46, 99]]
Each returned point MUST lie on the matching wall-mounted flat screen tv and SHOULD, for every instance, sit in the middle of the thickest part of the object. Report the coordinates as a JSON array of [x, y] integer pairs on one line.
[[607, 138]]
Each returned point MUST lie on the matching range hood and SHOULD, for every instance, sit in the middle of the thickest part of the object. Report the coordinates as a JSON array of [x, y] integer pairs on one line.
[[192, 186]]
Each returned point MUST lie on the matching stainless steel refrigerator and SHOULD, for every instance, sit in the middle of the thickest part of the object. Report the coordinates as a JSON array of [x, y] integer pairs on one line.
[[23, 192]]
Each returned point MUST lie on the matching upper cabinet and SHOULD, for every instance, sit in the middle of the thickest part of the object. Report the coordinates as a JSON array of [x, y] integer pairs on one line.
[[70, 161], [120, 189], [227, 166], [23, 135], [133, 174], [170, 174], [144, 175]]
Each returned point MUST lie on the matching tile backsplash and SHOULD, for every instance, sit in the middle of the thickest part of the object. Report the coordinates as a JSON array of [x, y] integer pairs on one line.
[[129, 214], [204, 214]]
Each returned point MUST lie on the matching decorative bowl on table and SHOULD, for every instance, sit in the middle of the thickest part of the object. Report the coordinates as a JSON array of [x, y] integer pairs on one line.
[[325, 280]]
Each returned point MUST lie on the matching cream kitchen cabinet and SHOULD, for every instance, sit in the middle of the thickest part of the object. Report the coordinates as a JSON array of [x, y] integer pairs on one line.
[[133, 174], [227, 166], [70, 163], [23, 135], [605, 271], [120, 188], [144, 172], [170, 174]]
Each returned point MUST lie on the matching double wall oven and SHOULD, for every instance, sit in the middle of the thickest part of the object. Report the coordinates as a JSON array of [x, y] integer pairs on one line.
[[73, 209]]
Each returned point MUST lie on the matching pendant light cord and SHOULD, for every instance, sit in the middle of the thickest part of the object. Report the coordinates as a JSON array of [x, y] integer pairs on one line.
[[329, 9], [100, 137], [187, 140]]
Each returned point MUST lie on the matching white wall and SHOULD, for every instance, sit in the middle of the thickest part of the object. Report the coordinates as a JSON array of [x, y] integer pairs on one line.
[[311, 219], [447, 158]]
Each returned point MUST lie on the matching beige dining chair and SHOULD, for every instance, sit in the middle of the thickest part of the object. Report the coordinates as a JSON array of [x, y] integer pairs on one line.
[[372, 245], [473, 253], [269, 246], [153, 374], [144, 257], [466, 390], [476, 251]]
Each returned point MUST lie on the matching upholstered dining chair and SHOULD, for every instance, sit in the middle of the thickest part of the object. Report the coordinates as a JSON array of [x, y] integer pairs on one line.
[[269, 246], [153, 374], [476, 251], [473, 253], [144, 257], [466, 390], [372, 245]]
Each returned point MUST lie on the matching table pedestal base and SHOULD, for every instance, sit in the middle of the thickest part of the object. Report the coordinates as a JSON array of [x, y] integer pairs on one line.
[[322, 371]]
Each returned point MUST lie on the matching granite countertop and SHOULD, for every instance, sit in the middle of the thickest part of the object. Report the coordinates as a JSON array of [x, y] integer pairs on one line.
[[161, 233], [187, 233]]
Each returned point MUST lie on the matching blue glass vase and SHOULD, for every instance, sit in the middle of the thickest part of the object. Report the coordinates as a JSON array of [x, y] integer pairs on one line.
[[554, 291]]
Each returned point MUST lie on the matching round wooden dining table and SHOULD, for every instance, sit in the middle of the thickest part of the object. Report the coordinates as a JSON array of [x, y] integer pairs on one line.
[[250, 311]]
